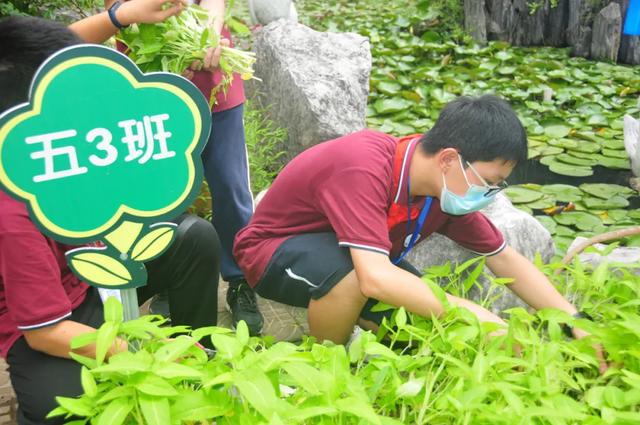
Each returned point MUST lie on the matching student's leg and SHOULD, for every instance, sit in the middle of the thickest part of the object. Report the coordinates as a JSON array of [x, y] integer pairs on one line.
[[189, 270], [226, 169], [333, 316], [312, 271], [38, 378]]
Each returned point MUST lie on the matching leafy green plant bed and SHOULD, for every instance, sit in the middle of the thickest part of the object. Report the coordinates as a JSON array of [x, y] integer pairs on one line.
[[416, 371]]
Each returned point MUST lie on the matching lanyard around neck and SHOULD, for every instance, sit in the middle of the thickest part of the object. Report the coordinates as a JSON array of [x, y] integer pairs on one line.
[[421, 219]]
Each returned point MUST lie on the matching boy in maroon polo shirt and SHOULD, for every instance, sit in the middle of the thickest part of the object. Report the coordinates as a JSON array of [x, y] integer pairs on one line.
[[43, 305], [226, 170], [332, 231]]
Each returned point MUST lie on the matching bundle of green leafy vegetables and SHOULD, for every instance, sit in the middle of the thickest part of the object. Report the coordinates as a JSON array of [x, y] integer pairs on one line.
[[173, 45]]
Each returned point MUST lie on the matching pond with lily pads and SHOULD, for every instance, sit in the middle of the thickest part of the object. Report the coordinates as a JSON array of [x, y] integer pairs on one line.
[[572, 108]]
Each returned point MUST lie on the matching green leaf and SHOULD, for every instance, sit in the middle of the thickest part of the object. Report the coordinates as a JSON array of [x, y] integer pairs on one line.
[[563, 192], [307, 377], [113, 310], [88, 383], [227, 347], [156, 386], [155, 410], [582, 220], [104, 342], [83, 340], [548, 223], [389, 106], [196, 406], [557, 131], [75, 406], [520, 195], [257, 390], [358, 408], [615, 201], [116, 412], [570, 170], [605, 191], [390, 88], [171, 370], [174, 349]]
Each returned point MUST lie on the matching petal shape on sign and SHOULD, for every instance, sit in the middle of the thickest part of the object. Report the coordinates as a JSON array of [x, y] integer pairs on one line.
[[153, 243], [124, 236], [99, 268]]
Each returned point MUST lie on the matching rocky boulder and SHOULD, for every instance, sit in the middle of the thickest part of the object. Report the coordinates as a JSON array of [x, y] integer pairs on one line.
[[316, 83], [607, 28]]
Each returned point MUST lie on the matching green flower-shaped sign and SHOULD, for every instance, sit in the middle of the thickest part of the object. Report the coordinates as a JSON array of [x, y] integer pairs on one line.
[[101, 146]]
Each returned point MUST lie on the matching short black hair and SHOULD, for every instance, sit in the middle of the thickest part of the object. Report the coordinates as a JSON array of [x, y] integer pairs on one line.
[[482, 128], [25, 43]]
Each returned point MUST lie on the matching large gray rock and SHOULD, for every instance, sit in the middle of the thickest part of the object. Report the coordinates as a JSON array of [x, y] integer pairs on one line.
[[475, 20], [316, 83], [266, 11], [555, 31], [607, 28], [579, 29], [528, 29], [522, 232], [621, 255], [499, 19]]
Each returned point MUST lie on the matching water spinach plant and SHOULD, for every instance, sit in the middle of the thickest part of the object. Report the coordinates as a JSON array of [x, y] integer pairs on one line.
[[173, 45], [415, 371]]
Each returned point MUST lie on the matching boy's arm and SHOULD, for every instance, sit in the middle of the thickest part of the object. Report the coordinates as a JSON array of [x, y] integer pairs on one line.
[[530, 284], [535, 289], [383, 281], [216, 10], [55, 340], [99, 28]]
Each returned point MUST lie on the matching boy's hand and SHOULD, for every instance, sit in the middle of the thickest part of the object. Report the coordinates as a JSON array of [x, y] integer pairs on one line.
[[579, 334], [210, 61], [212, 58], [149, 11]]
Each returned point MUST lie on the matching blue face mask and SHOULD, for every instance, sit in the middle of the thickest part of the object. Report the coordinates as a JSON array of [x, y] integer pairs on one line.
[[476, 198]]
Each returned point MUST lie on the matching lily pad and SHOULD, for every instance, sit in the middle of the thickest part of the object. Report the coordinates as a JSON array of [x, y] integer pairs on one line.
[[389, 87], [521, 195], [605, 190], [570, 170], [611, 153], [612, 202], [557, 131], [550, 150], [564, 143], [615, 163], [598, 120], [547, 201], [581, 220], [565, 231], [586, 147], [388, 106], [570, 159], [615, 144], [548, 223], [563, 192]]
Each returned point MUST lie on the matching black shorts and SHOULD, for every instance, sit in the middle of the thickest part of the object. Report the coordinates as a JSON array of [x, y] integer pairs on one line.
[[307, 267]]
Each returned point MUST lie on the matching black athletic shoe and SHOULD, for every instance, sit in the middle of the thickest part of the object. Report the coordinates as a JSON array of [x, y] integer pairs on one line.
[[242, 303]]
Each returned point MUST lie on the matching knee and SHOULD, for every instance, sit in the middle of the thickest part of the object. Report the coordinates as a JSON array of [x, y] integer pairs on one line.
[[202, 237]]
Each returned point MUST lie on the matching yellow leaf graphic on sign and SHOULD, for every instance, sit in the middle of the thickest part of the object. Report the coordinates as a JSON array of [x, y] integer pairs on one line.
[[153, 244], [100, 269], [124, 236]]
